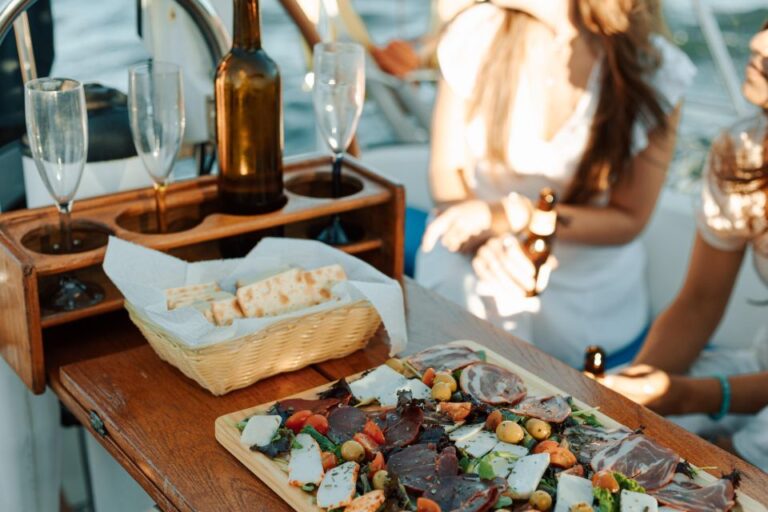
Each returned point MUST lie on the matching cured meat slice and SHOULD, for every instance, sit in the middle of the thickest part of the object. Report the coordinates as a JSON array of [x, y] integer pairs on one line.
[[403, 427], [492, 384], [638, 457], [344, 422], [585, 441], [554, 409], [443, 358], [292, 405], [419, 466], [716, 497], [467, 493]]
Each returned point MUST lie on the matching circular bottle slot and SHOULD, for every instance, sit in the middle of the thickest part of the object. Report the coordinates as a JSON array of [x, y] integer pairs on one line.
[[320, 185], [86, 236]]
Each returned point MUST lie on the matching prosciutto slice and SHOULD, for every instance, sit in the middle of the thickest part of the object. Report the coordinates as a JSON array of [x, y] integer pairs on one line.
[[443, 358], [639, 458], [344, 422], [585, 441], [717, 497], [467, 493], [554, 409], [492, 384], [419, 466]]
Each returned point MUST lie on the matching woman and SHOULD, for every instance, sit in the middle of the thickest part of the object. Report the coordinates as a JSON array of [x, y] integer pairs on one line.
[[578, 95], [731, 218]]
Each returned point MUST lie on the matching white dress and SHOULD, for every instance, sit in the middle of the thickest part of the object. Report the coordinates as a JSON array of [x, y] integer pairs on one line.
[[598, 294], [730, 222]]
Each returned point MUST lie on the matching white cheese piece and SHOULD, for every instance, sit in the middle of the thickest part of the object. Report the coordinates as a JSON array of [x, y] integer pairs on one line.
[[450, 428], [465, 431], [572, 490], [526, 474], [260, 430], [418, 389], [338, 486], [501, 465], [479, 444], [638, 502], [305, 465], [380, 384], [387, 396], [515, 450]]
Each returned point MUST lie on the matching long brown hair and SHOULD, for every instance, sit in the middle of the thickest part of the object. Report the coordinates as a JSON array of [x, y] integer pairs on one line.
[[623, 29]]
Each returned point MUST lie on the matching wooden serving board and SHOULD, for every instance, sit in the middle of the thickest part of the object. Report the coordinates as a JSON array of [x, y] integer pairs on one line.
[[271, 473]]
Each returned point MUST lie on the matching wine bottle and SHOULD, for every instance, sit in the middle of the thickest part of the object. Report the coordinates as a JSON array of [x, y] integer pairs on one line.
[[537, 241], [594, 360], [249, 127]]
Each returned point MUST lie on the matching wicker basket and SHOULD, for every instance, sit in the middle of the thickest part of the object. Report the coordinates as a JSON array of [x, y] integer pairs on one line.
[[282, 347]]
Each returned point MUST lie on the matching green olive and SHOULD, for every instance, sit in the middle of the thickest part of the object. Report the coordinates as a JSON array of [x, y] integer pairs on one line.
[[380, 479], [396, 364], [540, 500], [539, 430], [353, 451], [510, 432], [447, 378], [582, 507], [441, 391]]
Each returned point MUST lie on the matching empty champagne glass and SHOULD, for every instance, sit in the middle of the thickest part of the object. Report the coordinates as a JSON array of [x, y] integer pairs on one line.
[[337, 95], [57, 128], [156, 111]]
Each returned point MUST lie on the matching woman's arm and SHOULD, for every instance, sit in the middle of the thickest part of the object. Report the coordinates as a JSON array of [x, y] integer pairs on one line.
[[632, 200], [448, 151], [681, 332]]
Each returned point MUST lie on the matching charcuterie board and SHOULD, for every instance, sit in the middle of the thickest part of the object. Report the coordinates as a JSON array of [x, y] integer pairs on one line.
[[274, 472]]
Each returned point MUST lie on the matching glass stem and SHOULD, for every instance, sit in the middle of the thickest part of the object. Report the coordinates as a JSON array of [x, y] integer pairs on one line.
[[65, 224], [336, 175], [162, 225]]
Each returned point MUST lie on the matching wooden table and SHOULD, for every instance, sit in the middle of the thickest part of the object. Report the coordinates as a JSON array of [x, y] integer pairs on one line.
[[160, 425]]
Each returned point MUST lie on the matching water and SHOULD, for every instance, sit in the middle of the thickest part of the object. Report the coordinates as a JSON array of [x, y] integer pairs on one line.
[[707, 107]]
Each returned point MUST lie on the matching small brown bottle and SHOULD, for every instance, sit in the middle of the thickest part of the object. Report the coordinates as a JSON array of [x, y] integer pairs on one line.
[[537, 241], [594, 360]]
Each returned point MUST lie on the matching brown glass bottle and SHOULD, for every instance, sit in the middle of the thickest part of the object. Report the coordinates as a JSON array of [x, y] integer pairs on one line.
[[537, 241], [249, 127], [594, 360]]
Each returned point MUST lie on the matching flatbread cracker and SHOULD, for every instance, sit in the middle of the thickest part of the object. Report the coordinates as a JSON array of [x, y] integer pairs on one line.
[[186, 295], [225, 310]]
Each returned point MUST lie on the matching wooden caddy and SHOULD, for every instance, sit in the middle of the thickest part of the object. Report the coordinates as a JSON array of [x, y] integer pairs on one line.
[[378, 207]]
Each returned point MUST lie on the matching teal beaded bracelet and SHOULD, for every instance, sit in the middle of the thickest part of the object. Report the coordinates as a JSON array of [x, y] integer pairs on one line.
[[725, 405]]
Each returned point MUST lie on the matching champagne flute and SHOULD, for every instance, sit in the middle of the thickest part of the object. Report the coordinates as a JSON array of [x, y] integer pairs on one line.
[[337, 95], [156, 111], [57, 128]]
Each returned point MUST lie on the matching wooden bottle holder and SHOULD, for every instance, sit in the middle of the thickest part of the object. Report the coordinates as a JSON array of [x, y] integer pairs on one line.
[[377, 206]]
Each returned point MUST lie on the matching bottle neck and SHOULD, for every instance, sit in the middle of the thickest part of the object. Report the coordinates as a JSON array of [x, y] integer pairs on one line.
[[543, 223], [247, 25]]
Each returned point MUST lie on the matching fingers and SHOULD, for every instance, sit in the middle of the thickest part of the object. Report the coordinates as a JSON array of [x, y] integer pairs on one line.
[[436, 229]]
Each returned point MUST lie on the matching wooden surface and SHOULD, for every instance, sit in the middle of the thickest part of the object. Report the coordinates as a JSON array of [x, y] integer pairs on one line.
[[228, 435], [379, 208], [160, 425]]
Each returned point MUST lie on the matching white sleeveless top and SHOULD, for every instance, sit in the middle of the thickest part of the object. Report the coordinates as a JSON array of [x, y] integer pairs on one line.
[[598, 294]]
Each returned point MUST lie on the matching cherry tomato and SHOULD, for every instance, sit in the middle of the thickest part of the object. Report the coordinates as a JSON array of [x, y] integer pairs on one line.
[[376, 465], [562, 458], [605, 480], [297, 420], [427, 505], [372, 430], [370, 446], [329, 461], [493, 420], [546, 447], [319, 422], [429, 376], [456, 411]]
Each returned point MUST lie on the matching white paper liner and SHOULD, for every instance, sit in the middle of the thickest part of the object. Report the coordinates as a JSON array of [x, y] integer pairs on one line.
[[142, 275]]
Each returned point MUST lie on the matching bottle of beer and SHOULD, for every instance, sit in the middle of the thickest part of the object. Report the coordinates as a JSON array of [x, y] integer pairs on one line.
[[594, 360], [537, 241], [249, 127]]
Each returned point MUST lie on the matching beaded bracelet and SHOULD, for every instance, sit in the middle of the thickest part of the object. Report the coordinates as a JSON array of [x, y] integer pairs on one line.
[[725, 405]]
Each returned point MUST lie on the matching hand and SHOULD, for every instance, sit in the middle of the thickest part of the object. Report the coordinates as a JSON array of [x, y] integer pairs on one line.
[[651, 387], [756, 81], [461, 227], [502, 260], [397, 58]]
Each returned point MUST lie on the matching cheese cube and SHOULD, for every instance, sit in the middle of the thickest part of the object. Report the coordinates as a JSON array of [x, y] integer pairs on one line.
[[526, 474], [572, 490], [260, 430], [638, 502], [305, 465]]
